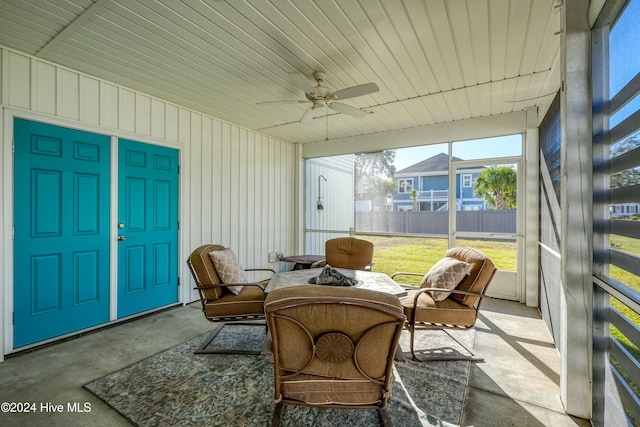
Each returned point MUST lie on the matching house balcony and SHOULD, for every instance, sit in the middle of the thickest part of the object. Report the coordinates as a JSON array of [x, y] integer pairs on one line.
[[433, 196], [517, 384]]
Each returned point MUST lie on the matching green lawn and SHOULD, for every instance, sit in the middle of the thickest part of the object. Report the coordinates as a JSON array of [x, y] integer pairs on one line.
[[631, 246], [418, 254]]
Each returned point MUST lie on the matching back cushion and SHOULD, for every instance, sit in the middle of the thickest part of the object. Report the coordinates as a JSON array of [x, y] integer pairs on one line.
[[480, 273], [445, 274], [229, 269], [206, 272], [347, 252]]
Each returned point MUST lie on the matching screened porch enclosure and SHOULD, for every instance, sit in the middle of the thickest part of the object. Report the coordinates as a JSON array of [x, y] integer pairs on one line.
[[563, 76], [378, 197]]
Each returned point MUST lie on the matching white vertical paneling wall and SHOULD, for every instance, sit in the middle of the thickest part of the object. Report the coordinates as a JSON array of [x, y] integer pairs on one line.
[[237, 186], [337, 216]]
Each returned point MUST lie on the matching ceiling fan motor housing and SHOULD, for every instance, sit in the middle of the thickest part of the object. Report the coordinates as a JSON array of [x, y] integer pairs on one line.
[[322, 97], [319, 76], [321, 92], [319, 103]]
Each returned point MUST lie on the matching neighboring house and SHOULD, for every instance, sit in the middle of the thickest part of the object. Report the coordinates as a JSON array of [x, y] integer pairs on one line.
[[430, 178], [624, 210]]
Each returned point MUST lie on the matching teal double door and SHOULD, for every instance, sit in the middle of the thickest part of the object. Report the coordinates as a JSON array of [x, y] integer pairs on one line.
[[65, 233]]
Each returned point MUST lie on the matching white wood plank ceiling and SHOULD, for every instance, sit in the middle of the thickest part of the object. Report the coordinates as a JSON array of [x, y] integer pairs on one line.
[[435, 61]]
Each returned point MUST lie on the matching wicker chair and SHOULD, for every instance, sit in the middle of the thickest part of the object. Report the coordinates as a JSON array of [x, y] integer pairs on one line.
[[347, 252], [333, 347], [219, 303], [459, 310]]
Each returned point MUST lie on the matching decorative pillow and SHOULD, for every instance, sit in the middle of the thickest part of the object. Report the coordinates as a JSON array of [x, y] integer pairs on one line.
[[229, 269], [446, 274]]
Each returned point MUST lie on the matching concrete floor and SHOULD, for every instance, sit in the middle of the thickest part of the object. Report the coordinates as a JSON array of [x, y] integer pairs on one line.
[[517, 385]]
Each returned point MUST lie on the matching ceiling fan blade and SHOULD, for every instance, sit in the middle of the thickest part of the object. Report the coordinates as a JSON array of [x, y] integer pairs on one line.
[[287, 101], [348, 110], [302, 82], [352, 92], [308, 116]]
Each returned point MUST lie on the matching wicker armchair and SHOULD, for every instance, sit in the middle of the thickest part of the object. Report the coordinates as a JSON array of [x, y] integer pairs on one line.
[[220, 302], [333, 347], [460, 306], [347, 252]]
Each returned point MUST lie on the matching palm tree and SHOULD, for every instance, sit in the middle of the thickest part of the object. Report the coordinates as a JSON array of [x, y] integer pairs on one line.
[[497, 185], [414, 197]]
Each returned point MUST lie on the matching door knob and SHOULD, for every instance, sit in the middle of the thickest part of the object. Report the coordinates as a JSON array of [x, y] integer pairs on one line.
[[122, 238]]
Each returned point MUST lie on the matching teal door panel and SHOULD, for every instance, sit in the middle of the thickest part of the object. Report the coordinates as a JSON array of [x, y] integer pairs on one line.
[[61, 231], [148, 227]]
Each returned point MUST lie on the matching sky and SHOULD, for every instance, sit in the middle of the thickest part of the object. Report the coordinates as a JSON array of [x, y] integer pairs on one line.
[[503, 146], [624, 60]]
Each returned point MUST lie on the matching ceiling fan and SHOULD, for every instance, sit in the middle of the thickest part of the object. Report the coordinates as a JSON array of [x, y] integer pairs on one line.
[[321, 96]]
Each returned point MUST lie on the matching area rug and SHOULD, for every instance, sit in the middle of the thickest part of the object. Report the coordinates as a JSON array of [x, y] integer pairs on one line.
[[179, 388]]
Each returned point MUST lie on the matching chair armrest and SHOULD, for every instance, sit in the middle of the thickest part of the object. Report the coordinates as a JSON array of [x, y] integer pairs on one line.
[[473, 294], [260, 269], [261, 285], [406, 273], [456, 291], [319, 264], [219, 285]]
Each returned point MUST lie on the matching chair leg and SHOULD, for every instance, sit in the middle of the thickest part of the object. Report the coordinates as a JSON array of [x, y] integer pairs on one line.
[[385, 417], [399, 356], [277, 415], [472, 357], [412, 329], [203, 347]]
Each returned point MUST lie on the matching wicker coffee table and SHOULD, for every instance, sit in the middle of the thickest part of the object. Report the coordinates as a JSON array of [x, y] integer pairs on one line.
[[366, 280]]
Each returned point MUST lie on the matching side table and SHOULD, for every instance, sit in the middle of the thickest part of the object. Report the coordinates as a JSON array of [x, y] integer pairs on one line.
[[302, 262]]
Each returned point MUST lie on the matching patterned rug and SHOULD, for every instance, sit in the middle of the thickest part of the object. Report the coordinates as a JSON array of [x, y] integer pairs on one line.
[[180, 388]]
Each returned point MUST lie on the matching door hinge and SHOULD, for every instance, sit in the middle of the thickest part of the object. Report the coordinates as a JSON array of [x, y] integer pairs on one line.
[[13, 233], [13, 318], [13, 147], [178, 282]]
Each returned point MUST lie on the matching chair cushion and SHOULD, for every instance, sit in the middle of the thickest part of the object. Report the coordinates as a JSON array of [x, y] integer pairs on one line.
[[229, 269], [445, 274], [315, 390], [249, 302], [445, 312]]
